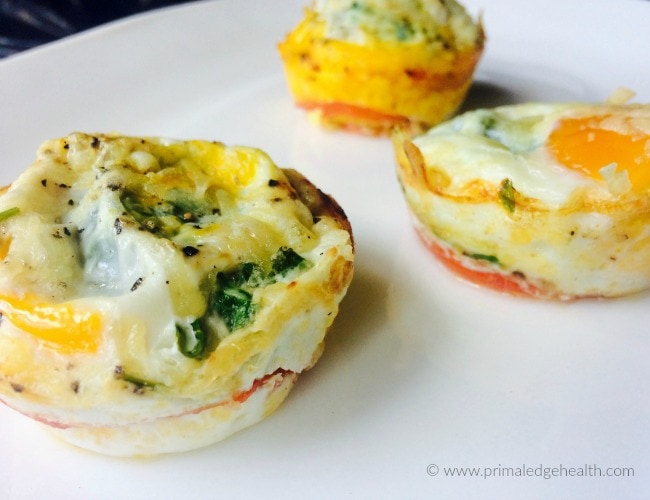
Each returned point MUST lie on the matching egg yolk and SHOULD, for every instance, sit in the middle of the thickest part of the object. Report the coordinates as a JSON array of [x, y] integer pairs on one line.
[[231, 168], [59, 326], [5, 243], [585, 144]]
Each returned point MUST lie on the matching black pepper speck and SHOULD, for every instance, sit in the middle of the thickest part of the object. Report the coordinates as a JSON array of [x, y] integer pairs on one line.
[[190, 251], [136, 284]]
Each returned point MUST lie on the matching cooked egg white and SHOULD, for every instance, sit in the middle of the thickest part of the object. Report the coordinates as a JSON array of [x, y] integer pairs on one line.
[[555, 195], [146, 278]]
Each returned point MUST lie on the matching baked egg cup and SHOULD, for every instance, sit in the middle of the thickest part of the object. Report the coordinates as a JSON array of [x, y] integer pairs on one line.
[[364, 77], [159, 295], [538, 199]]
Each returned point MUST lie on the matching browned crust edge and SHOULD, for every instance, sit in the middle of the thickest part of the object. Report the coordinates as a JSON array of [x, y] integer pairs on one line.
[[319, 203]]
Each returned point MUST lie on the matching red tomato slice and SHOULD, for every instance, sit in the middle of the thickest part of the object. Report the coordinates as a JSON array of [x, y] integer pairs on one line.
[[238, 398], [242, 396], [506, 283], [356, 118]]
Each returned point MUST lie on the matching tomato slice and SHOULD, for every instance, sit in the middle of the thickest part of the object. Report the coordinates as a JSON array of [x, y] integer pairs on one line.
[[356, 118], [242, 396], [342, 109], [38, 418], [512, 284]]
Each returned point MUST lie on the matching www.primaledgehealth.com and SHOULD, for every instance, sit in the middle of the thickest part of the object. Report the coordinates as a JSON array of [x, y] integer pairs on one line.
[[533, 471]]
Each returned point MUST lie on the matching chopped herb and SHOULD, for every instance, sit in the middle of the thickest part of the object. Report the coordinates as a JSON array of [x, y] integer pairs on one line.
[[507, 195], [10, 212], [198, 350], [488, 123], [491, 130], [164, 217], [230, 292], [480, 256], [285, 260], [132, 379], [235, 306], [246, 274]]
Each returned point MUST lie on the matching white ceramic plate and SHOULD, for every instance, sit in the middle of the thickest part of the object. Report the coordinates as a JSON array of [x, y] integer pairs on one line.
[[422, 372]]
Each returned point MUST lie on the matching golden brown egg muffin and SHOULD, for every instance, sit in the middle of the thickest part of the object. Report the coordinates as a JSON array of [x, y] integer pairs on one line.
[[373, 65]]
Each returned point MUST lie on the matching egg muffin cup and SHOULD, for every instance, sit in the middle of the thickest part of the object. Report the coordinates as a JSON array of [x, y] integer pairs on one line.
[[375, 86], [542, 200], [159, 295]]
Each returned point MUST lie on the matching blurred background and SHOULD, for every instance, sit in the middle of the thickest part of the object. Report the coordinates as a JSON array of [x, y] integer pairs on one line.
[[27, 23]]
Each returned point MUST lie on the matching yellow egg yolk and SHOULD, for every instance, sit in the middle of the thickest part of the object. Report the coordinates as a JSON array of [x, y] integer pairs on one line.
[[58, 326], [585, 144], [231, 168], [5, 243]]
